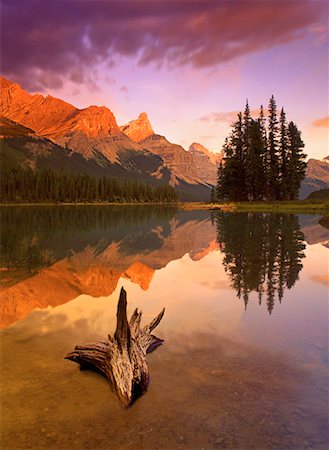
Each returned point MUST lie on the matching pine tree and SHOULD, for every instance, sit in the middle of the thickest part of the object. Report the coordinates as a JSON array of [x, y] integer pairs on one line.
[[234, 169], [283, 148], [256, 155], [296, 165], [247, 156], [273, 189]]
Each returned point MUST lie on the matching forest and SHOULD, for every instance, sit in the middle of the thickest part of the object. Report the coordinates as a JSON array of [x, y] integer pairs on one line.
[[24, 185], [264, 159]]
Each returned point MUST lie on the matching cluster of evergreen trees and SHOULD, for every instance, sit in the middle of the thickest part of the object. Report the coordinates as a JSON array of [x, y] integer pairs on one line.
[[264, 159], [26, 185]]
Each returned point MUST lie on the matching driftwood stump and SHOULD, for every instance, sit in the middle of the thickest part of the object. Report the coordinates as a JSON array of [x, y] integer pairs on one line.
[[122, 359]]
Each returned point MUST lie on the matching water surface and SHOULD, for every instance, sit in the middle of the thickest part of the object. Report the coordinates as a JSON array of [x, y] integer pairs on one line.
[[245, 359]]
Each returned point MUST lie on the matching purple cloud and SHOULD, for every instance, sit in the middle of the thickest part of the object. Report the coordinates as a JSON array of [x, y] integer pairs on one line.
[[228, 117], [46, 42]]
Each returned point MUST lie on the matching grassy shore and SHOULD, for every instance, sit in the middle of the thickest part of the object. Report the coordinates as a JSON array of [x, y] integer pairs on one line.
[[297, 206]]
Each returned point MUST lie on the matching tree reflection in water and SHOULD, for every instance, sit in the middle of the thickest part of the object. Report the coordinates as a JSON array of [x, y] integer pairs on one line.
[[262, 253]]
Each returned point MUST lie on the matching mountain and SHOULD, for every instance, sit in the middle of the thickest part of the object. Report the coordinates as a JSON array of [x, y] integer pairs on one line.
[[199, 149], [206, 161], [317, 176], [138, 129], [22, 146], [198, 165], [179, 161], [61, 135]]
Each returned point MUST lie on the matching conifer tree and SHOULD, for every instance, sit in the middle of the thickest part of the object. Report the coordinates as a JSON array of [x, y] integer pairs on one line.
[[296, 165], [273, 190], [283, 148], [247, 157], [256, 176], [234, 171]]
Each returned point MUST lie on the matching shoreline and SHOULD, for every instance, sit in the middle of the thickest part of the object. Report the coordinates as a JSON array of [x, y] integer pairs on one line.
[[302, 206]]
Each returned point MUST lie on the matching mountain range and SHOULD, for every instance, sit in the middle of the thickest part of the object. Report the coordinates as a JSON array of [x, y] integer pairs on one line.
[[43, 131], [39, 131]]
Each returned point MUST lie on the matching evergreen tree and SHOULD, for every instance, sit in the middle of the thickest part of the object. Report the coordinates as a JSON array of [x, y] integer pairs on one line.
[[283, 149], [233, 184], [273, 189], [248, 157], [255, 175], [221, 188], [296, 165]]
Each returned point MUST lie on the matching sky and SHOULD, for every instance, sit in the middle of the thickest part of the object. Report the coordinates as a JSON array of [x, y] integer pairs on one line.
[[189, 64]]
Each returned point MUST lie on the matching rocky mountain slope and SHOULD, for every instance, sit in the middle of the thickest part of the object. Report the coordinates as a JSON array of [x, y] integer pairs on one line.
[[207, 162], [138, 129], [317, 176], [179, 161], [22, 146]]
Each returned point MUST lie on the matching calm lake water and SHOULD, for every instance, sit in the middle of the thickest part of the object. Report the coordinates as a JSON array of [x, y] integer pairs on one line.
[[245, 359]]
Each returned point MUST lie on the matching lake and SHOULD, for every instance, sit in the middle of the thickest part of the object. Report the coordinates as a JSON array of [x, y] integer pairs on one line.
[[245, 358]]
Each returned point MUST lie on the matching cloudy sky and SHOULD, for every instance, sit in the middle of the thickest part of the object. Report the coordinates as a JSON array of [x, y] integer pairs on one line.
[[190, 64]]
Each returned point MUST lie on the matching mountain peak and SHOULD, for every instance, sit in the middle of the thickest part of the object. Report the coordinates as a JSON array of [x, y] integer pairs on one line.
[[197, 148], [138, 129], [143, 116]]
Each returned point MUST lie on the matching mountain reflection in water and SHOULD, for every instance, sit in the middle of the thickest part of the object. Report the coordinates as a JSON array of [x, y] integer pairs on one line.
[[49, 256]]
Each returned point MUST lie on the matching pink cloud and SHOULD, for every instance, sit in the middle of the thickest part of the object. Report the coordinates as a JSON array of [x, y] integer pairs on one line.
[[227, 117], [321, 123]]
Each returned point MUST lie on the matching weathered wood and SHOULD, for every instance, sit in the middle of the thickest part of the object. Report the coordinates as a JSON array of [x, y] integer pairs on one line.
[[122, 359]]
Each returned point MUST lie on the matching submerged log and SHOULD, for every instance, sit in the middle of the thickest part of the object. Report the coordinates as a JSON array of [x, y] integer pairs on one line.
[[122, 359]]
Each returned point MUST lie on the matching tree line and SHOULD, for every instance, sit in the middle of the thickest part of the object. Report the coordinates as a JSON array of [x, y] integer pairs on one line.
[[44, 185], [264, 158]]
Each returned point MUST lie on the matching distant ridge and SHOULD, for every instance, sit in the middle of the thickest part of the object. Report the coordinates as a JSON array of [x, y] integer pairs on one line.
[[317, 176]]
